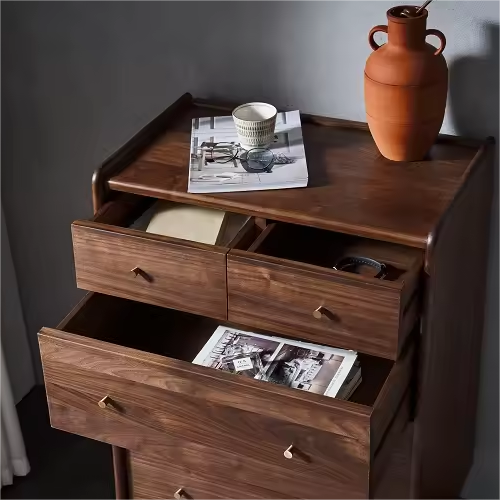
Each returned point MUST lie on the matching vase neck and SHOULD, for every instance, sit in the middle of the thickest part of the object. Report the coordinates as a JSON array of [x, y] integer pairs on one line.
[[409, 34]]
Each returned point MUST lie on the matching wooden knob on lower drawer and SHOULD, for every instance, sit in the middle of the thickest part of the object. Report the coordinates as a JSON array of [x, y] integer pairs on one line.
[[288, 453], [180, 493], [319, 312], [143, 274], [105, 402]]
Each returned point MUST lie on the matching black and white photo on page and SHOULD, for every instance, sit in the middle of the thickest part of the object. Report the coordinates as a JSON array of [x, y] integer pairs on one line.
[[299, 365]]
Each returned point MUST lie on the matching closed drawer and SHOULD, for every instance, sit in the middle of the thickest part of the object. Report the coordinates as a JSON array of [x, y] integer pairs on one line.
[[285, 283], [140, 357], [112, 258], [153, 478], [173, 467]]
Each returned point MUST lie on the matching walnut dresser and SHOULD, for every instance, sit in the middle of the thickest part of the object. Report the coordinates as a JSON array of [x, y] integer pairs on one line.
[[118, 368]]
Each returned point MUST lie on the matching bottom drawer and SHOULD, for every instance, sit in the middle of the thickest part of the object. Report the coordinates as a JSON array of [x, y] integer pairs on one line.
[[173, 469], [150, 477]]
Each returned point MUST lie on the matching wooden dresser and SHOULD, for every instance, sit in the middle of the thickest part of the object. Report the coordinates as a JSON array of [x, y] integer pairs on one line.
[[118, 368]]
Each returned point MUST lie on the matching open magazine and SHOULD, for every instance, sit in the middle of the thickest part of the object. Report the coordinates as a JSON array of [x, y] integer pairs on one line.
[[300, 365], [210, 174]]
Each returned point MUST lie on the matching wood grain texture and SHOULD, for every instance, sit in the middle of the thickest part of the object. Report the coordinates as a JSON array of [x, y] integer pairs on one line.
[[397, 481], [141, 417], [392, 440], [451, 339], [132, 149], [189, 463], [483, 154], [252, 461], [70, 353], [106, 324], [179, 274], [351, 189], [120, 471], [152, 479], [388, 402], [201, 443], [281, 296], [287, 477], [137, 416]]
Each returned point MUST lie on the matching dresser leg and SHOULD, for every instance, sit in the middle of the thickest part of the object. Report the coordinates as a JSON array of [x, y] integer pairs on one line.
[[120, 472]]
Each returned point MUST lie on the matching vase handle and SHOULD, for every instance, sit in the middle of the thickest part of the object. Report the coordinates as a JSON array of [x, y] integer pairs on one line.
[[376, 29], [441, 37]]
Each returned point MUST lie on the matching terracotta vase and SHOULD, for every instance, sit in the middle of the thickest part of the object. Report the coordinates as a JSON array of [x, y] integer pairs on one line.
[[406, 83]]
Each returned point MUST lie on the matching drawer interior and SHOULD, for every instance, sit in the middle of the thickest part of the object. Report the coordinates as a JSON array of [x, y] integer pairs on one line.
[[181, 335], [325, 248], [135, 212], [285, 241]]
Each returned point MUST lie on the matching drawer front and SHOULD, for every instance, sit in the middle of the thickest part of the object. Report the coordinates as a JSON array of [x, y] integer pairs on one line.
[[175, 274], [194, 461], [152, 478], [258, 464], [139, 419], [282, 298], [201, 472], [169, 466]]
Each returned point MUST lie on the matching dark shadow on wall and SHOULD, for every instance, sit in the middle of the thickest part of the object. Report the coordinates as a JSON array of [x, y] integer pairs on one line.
[[473, 97], [474, 102]]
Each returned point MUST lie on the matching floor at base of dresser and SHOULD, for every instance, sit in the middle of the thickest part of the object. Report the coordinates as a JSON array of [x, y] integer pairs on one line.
[[63, 465]]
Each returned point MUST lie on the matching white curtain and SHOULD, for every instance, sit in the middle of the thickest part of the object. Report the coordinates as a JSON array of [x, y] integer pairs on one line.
[[15, 345], [18, 377], [14, 459]]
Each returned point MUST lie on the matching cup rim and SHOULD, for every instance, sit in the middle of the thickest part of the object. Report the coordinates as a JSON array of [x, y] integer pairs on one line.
[[391, 14], [251, 104]]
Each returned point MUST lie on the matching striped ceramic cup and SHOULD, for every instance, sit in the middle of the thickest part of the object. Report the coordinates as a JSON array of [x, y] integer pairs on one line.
[[255, 122]]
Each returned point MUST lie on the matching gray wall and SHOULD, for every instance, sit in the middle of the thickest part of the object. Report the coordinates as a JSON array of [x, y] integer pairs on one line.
[[79, 78]]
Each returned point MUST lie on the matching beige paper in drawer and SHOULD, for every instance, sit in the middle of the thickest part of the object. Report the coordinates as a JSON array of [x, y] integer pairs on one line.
[[186, 222]]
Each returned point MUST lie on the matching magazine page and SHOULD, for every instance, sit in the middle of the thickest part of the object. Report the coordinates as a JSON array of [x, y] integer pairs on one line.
[[300, 365], [287, 170]]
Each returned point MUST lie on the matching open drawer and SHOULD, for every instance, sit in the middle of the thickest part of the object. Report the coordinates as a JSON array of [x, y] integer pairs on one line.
[[120, 371], [285, 282], [115, 255]]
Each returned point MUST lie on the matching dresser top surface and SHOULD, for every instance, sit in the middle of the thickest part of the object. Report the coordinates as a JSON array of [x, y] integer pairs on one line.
[[352, 188]]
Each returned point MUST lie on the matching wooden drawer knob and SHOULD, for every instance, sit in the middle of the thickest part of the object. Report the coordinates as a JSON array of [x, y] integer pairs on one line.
[[180, 493], [288, 453], [320, 312], [139, 272], [105, 402]]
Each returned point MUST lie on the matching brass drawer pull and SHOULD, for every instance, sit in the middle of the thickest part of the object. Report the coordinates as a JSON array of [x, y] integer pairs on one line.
[[288, 453], [139, 272], [180, 493], [105, 402]]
